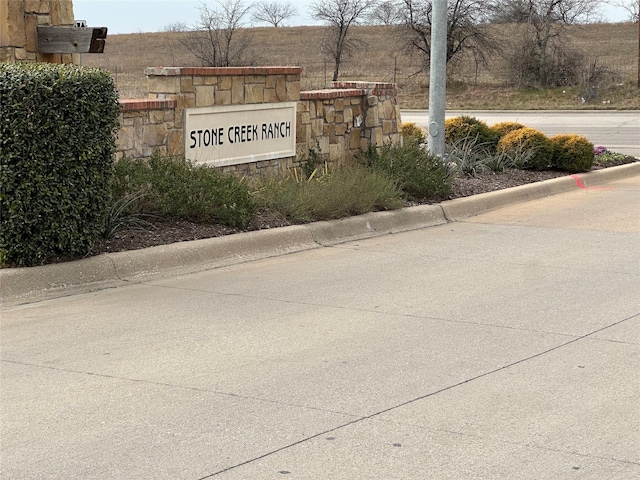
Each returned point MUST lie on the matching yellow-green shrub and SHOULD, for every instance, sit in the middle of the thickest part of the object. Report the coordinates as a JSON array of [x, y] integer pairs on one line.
[[412, 133], [573, 153], [529, 140], [503, 128], [461, 128]]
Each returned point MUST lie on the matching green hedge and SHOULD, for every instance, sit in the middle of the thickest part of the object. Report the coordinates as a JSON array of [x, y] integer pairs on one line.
[[57, 142]]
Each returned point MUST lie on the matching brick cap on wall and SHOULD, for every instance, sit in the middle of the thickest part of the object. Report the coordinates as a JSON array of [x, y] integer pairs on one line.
[[330, 93], [374, 88], [217, 71], [132, 104]]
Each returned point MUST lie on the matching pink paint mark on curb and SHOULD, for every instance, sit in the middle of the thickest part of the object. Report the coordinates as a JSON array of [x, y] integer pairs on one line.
[[583, 186]]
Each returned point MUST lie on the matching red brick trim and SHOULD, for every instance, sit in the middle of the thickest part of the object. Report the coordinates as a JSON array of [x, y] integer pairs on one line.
[[374, 88], [133, 104], [332, 93], [220, 71]]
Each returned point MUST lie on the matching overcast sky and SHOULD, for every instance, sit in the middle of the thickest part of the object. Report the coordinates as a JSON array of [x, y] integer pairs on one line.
[[132, 16]]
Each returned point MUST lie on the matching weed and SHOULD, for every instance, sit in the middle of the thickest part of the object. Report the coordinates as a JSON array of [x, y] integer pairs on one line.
[[313, 161]]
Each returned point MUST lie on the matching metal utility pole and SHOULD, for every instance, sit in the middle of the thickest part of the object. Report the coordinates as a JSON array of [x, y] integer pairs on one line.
[[437, 77]]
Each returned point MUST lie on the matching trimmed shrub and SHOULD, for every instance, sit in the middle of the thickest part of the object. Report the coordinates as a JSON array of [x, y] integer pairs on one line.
[[411, 133], [503, 128], [459, 128], [177, 188], [419, 174], [572, 153], [57, 141], [532, 141]]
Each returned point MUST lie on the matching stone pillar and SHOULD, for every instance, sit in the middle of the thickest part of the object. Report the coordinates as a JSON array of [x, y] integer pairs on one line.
[[19, 20], [382, 122]]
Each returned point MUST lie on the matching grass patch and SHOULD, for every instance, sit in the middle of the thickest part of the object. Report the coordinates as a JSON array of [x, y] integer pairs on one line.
[[470, 86]]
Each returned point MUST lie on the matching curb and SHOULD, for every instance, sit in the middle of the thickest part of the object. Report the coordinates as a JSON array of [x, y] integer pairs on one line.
[[469, 206], [35, 284]]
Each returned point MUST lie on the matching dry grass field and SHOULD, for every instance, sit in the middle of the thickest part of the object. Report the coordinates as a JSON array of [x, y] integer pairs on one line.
[[383, 58]]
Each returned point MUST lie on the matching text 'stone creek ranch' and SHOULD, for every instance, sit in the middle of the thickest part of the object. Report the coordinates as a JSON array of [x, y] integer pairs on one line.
[[229, 135]]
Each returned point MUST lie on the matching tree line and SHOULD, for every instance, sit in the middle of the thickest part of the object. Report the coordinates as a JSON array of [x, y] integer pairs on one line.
[[536, 53]]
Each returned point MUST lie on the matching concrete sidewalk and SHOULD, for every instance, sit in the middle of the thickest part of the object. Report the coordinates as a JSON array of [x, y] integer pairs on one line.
[[25, 285], [503, 346]]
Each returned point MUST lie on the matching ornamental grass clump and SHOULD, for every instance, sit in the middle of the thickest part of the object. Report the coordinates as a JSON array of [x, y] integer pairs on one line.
[[463, 127], [572, 153], [532, 141]]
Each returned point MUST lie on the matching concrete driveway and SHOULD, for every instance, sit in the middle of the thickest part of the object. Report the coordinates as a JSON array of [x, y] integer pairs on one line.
[[503, 346]]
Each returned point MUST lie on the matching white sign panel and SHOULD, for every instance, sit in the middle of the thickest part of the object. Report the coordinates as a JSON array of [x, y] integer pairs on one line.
[[233, 134]]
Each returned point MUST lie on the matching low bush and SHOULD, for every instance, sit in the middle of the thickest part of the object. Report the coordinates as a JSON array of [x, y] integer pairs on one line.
[[603, 156], [177, 188], [463, 127], [503, 128], [572, 153], [532, 141], [328, 194], [418, 173], [57, 141], [411, 133]]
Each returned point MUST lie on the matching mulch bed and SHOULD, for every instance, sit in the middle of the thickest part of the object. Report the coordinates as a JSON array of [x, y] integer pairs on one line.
[[165, 231]]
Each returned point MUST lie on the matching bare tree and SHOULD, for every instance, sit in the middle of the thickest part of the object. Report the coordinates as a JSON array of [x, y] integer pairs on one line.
[[465, 32], [339, 16], [388, 12], [175, 27], [515, 11], [631, 6], [542, 51], [273, 13], [219, 39]]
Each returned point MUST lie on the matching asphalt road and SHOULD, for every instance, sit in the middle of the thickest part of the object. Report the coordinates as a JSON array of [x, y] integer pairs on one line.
[[504, 346], [619, 131]]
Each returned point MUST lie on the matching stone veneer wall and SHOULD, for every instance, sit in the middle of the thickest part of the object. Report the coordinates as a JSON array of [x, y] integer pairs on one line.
[[207, 86], [19, 20], [144, 127], [340, 121]]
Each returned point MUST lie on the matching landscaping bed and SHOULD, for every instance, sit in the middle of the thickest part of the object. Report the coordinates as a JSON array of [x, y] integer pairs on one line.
[[162, 231]]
